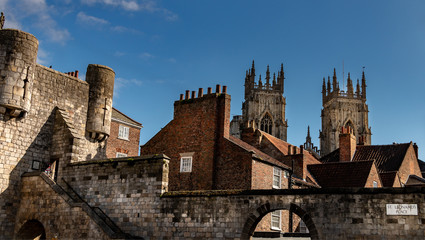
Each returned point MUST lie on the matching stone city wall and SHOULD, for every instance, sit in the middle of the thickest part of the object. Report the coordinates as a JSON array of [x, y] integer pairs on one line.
[[27, 126]]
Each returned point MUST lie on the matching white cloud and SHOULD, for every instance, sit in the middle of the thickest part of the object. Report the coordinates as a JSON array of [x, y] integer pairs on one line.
[[86, 19], [119, 54], [122, 29], [42, 56], [172, 60], [122, 83], [146, 56], [133, 5], [40, 14]]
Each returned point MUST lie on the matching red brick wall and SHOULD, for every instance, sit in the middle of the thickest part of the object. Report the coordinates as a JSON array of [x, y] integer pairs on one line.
[[347, 146], [265, 224], [198, 126], [233, 169], [114, 144], [262, 176], [373, 176], [409, 166]]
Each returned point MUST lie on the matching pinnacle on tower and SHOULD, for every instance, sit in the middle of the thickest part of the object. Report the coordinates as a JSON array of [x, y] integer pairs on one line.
[[329, 85], [260, 83], [274, 79], [363, 86], [308, 138], [253, 69], [358, 89], [335, 86], [268, 77], [349, 86], [324, 89]]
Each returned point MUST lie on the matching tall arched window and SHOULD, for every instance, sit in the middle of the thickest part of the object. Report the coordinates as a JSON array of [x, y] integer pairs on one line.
[[266, 124]]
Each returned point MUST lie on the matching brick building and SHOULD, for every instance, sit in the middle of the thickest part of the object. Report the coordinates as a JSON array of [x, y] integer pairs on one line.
[[124, 137], [203, 156], [394, 162]]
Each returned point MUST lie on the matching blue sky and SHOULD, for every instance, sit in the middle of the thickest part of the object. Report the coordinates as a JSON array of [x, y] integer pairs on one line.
[[159, 49]]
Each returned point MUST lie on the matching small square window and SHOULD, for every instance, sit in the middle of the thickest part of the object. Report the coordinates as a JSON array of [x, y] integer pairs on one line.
[[186, 164], [123, 132], [276, 220], [375, 184], [121, 154], [277, 173]]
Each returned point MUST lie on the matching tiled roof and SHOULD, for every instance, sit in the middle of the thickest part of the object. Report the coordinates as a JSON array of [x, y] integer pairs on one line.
[[414, 180], [124, 118], [387, 158], [257, 153], [421, 165], [341, 174], [388, 178], [283, 147]]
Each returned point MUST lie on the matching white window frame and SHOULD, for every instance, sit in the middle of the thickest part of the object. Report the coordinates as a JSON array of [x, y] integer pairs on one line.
[[119, 154], [277, 174], [276, 214], [375, 184], [123, 132], [303, 227], [186, 164]]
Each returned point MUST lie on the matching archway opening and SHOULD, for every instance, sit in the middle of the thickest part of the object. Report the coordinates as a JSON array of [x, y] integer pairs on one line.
[[33, 230], [285, 224]]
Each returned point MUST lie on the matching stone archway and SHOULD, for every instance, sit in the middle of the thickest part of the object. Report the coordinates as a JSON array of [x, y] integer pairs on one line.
[[255, 218], [32, 229]]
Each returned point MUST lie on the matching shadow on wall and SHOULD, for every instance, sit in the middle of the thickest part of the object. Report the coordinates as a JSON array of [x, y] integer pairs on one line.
[[43, 154]]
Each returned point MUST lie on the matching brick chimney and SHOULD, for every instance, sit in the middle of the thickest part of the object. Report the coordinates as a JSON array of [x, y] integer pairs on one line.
[[347, 144]]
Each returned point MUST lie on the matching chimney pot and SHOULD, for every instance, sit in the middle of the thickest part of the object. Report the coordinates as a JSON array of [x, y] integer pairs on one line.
[[76, 73], [181, 96], [193, 94], [72, 74], [200, 92], [217, 88], [209, 90], [187, 95], [224, 89]]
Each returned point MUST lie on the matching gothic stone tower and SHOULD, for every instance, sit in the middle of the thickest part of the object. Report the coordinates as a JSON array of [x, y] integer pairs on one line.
[[264, 105], [342, 109]]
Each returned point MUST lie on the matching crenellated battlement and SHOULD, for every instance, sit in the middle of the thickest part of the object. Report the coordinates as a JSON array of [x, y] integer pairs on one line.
[[333, 91]]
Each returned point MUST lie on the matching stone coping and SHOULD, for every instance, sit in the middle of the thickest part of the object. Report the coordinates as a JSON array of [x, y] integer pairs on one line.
[[123, 159], [309, 191]]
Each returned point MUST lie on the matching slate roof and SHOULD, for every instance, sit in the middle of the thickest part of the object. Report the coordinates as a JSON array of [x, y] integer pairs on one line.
[[257, 153], [387, 158], [124, 118], [341, 174]]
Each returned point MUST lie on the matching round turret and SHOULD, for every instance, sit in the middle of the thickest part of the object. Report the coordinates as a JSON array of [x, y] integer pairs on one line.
[[18, 55], [101, 81]]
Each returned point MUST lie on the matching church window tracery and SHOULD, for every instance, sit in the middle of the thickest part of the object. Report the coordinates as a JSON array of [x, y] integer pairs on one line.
[[266, 124]]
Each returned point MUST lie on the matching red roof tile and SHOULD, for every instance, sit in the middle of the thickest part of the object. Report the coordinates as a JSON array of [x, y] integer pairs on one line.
[[341, 174], [387, 158], [257, 153]]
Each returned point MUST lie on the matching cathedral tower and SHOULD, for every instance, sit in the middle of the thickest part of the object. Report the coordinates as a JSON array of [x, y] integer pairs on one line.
[[343, 109], [264, 105]]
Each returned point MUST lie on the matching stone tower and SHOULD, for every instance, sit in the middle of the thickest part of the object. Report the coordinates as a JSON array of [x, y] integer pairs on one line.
[[343, 109], [264, 105], [18, 60]]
